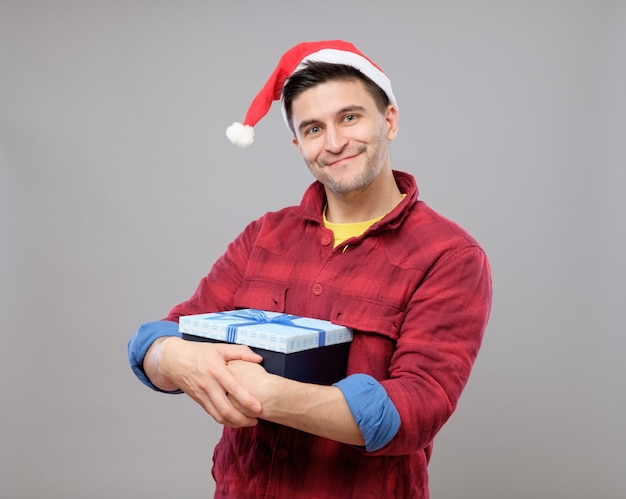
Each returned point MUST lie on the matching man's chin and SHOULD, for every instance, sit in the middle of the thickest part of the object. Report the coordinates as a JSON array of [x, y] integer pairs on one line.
[[346, 188]]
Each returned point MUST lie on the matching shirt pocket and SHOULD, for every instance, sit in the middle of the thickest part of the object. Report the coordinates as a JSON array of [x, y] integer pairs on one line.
[[262, 295], [369, 316]]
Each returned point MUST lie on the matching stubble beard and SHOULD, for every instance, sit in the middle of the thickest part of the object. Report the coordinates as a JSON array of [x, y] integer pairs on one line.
[[374, 160]]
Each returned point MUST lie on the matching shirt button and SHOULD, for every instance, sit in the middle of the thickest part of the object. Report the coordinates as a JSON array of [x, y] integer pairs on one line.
[[282, 453], [326, 240], [317, 289]]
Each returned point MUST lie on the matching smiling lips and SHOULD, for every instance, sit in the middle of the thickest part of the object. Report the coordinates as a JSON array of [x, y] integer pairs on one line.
[[334, 162]]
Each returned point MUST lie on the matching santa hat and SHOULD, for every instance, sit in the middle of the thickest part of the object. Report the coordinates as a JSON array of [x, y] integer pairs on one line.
[[333, 51]]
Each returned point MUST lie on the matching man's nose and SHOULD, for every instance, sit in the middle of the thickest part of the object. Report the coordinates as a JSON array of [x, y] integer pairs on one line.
[[335, 140]]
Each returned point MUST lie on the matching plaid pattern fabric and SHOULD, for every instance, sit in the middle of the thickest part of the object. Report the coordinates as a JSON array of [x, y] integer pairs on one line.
[[416, 290]]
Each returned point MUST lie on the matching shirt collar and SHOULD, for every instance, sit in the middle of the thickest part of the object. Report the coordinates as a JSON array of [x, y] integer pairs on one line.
[[314, 200]]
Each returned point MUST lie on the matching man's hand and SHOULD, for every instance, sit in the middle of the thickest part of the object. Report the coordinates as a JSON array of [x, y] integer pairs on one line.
[[200, 370], [255, 378]]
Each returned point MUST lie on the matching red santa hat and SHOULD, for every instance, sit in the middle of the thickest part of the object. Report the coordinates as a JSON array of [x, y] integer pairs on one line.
[[333, 51]]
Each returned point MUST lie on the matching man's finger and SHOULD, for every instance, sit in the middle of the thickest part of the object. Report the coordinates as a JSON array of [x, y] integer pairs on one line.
[[239, 352], [236, 391], [220, 408]]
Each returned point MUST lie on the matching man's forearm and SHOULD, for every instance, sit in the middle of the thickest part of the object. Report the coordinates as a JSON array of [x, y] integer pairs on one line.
[[317, 409], [151, 366]]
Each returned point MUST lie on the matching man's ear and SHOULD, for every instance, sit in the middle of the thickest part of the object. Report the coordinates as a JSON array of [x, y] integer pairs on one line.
[[295, 142], [391, 118]]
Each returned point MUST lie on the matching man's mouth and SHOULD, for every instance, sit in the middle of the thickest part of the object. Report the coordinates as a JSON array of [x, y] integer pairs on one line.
[[339, 161]]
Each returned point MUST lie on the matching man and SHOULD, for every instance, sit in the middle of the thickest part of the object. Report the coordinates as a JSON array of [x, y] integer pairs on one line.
[[361, 251]]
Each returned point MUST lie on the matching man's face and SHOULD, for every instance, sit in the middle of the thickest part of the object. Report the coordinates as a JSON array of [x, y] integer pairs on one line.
[[342, 135]]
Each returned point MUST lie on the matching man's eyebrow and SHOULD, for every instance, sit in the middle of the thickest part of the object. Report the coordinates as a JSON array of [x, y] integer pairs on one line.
[[348, 109], [352, 108]]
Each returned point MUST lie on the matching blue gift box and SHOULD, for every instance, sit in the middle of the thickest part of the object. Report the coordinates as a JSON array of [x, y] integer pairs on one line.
[[300, 348]]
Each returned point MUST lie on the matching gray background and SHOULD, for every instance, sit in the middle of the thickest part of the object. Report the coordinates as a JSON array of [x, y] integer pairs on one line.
[[118, 189]]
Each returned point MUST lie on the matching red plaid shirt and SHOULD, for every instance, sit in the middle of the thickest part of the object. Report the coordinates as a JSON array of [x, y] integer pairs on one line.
[[416, 290]]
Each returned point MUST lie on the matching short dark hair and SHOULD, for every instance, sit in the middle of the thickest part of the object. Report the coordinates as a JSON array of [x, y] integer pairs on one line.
[[316, 72]]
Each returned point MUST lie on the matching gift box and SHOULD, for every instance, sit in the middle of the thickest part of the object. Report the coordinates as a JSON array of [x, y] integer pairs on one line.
[[299, 348]]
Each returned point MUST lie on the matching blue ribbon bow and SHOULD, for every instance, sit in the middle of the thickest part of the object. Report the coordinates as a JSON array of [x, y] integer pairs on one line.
[[256, 317]]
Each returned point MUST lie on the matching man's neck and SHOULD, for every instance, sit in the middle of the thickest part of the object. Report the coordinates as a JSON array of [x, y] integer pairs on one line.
[[378, 199]]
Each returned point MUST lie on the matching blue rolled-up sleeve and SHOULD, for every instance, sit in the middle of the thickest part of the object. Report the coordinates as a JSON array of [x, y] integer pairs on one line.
[[372, 409], [141, 341]]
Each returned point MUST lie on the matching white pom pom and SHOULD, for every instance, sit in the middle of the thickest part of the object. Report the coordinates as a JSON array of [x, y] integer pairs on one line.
[[240, 135]]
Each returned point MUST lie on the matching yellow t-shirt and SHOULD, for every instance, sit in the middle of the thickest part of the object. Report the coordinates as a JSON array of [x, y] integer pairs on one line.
[[343, 232]]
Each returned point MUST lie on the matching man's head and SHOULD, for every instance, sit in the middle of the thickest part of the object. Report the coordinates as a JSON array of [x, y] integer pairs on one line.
[[333, 52], [343, 134]]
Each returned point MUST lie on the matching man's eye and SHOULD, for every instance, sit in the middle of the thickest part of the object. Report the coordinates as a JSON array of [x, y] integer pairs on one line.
[[313, 130], [350, 117]]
